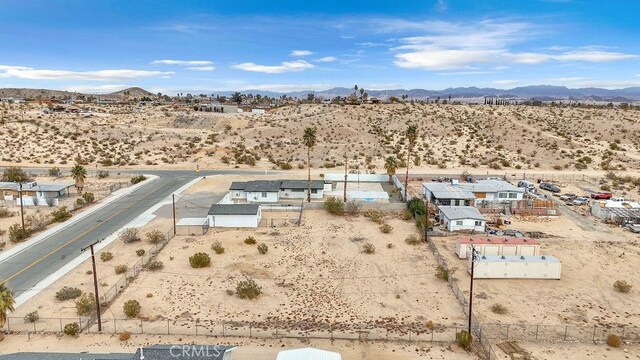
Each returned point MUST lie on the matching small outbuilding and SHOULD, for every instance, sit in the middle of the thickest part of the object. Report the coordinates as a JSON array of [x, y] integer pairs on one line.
[[308, 354], [235, 215], [496, 246], [516, 267], [457, 218]]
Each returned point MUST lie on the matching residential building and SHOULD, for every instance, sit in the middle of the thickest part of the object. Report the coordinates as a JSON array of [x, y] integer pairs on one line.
[[272, 191], [35, 193], [499, 191], [516, 267], [620, 212], [457, 218], [447, 194], [235, 215], [496, 246]]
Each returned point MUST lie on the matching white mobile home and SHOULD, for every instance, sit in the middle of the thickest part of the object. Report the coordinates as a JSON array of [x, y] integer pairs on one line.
[[272, 191], [516, 267], [496, 246], [446, 194], [297, 189], [235, 215], [493, 191], [457, 218]]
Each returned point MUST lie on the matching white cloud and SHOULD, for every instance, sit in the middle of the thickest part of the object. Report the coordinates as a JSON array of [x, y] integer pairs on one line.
[[201, 68], [594, 56], [327, 59], [441, 5], [288, 87], [286, 66], [299, 53], [182, 62], [23, 72]]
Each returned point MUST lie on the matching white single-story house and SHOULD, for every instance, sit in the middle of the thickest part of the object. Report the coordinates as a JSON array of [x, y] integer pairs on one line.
[[447, 194], [493, 191], [272, 191], [457, 218], [308, 354], [235, 215], [43, 194]]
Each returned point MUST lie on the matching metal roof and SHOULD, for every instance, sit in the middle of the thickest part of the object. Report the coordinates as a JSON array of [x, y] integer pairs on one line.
[[461, 212], [275, 185], [262, 186], [308, 354], [490, 186], [301, 184], [234, 209], [497, 240], [518, 258], [44, 187], [447, 191], [237, 185]]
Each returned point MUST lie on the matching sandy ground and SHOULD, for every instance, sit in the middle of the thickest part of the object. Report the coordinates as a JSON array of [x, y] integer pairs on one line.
[[581, 351], [247, 350]]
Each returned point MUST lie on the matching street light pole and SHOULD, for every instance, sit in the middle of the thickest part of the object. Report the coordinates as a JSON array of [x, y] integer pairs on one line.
[[473, 265], [95, 281]]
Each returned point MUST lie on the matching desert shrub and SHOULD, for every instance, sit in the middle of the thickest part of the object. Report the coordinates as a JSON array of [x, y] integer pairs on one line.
[[430, 325], [37, 221], [622, 286], [217, 247], [68, 293], [334, 206], [54, 172], [88, 197], [154, 265], [60, 215], [263, 248], [140, 252], [106, 256], [442, 273], [103, 174], [121, 269], [498, 309], [129, 235], [248, 289], [155, 236], [79, 202], [14, 174], [413, 240], [406, 215], [199, 260], [375, 215], [32, 317], [131, 308], [5, 213], [390, 246], [250, 240], [368, 248], [137, 179], [416, 206], [352, 207], [464, 339], [386, 228], [72, 329], [86, 304], [614, 340], [124, 336], [17, 234]]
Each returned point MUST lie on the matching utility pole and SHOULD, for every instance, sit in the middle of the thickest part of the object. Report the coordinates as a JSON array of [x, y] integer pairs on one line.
[[21, 207], [473, 265], [346, 161], [426, 220], [95, 281], [173, 197]]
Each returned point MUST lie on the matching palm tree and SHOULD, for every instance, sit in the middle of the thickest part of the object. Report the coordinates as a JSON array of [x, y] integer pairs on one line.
[[6, 305], [412, 136], [309, 139], [79, 174], [391, 165]]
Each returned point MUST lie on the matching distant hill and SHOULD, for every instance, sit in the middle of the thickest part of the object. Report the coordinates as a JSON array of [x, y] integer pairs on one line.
[[35, 93], [132, 92]]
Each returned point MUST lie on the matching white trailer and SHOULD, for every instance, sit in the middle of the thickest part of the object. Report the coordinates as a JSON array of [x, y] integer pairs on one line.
[[516, 267], [496, 246]]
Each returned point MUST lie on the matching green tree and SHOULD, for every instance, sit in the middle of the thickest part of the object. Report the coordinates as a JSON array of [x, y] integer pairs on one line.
[[6, 305], [391, 165], [79, 174], [411, 135], [309, 139]]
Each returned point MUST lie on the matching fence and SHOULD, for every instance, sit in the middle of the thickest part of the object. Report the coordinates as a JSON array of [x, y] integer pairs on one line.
[[357, 177], [192, 230], [560, 333]]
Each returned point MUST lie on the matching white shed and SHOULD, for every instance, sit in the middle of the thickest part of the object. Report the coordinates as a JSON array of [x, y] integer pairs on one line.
[[456, 218], [235, 215], [516, 267], [497, 246], [308, 354]]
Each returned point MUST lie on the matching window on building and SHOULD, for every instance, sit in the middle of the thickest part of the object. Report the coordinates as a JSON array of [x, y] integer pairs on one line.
[[513, 196], [314, 191], [459, 222], [502, 195], [297, 190], [478, 223], [264, 194]]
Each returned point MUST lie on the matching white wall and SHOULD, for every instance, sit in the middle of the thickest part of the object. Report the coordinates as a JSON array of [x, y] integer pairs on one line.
[[250, 221], [467, 224], [494, 197], [238, 194], [257, 197], [355, 177], [464, 250], [290, 194], [486, 269]]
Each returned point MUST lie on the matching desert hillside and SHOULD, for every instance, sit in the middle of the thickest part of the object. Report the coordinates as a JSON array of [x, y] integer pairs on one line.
[[450, 136]]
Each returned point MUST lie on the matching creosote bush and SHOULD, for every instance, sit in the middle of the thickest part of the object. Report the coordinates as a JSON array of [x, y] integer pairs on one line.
[[442, 273], [217, 247], [352, 207], [622, 286], [248, 289], [368, 248], [386, 228], [334, 206], [263, 248], [498, 309], [106, 256], [250, 240], [16, 234], [89, 197], [137, 179], [376, 216], [72, 329], [154, 265], [464, 339], [129, 235], [124, 336], [121, 269], [413, 240], [199, 260], [68, 293], [155, 236], [86, 304], [132, 308], [614, 340], [32, 317], [140, 252], [60, 215]]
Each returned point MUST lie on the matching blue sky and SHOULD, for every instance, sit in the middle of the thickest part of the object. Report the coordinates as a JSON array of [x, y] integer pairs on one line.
[[101, 46]]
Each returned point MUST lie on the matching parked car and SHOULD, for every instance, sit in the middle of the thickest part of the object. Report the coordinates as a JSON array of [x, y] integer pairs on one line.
[[603, 195], [568, 197], [634, 228], [579, 201], [617, 199], [550, 187]]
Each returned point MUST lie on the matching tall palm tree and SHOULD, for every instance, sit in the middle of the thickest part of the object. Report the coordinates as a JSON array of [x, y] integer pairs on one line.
[[411, 135], [79, 174], [391, 165], [6, 305], [309, 139]]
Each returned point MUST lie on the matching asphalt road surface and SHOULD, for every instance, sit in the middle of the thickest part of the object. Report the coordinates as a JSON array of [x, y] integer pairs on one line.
[[28, 267]]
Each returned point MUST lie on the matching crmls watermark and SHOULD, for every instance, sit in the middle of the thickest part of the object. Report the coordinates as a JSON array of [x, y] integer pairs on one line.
[[191, 351]]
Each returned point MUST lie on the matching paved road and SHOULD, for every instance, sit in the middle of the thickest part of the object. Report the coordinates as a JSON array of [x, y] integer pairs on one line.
[[25, 269]]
